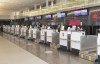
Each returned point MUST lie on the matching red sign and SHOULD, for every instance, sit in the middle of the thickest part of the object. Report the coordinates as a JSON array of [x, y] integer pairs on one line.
[[95, 16], [75, 22], [55, 18]]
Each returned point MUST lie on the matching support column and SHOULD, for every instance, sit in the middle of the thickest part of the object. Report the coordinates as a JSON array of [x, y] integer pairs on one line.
[[47, 3], [52, 3], [35, 6], [40, 7]]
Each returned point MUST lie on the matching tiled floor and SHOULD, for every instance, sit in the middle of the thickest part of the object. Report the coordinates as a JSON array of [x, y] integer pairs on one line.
[[12, 54], [45, 53]]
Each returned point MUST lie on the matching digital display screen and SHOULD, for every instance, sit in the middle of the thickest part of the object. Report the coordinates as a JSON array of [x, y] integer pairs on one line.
[[31, 18], [39, 17], [59, 15], [48, 16], [75, 22], [53, 23], [84, 12], [63, 14], [81, 12], [26, 19], [77, 13]]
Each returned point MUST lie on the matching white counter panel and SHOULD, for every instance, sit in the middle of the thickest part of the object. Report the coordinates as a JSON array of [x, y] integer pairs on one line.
[[34, 32], [76, 40], [98, 50], [49, 35], [29, 32], [49, 32], [75, 45], [98, 39], [43, 32], [63, 34], [63, 42]]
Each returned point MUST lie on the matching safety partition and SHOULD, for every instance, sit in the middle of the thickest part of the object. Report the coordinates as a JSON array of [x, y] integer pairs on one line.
[[64, 40], [88, 42], [55, 40]]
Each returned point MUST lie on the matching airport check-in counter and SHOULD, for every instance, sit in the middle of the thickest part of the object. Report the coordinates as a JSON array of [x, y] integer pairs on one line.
[[98, 46], [34, 32], [17, 31], [12, 30], [5, 28], [48, 36], [81, 42], [38, 36], [76, 41], [8, 29], [49, 33], [42, 35], [64, 40], [23, 32], [30, 33]]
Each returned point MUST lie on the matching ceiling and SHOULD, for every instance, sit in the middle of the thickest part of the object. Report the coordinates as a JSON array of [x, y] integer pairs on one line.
[[17, 4], [8, 6]]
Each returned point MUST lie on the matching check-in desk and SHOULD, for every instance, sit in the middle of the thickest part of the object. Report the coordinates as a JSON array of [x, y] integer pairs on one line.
[[30, 33], [12, 30], [49, 33], [5, 28], [8, 29], [81, 42], [34, 32], [42, 35], [38, 36], [23, 32], [64, 40], [98, 46], [17, 31], [76, 41]]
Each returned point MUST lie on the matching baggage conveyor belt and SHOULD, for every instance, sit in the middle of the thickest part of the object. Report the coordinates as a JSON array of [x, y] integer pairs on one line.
[[89, 55]]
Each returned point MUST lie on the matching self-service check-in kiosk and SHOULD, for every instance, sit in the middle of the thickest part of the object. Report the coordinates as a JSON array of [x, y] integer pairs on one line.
[[64, 40]]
